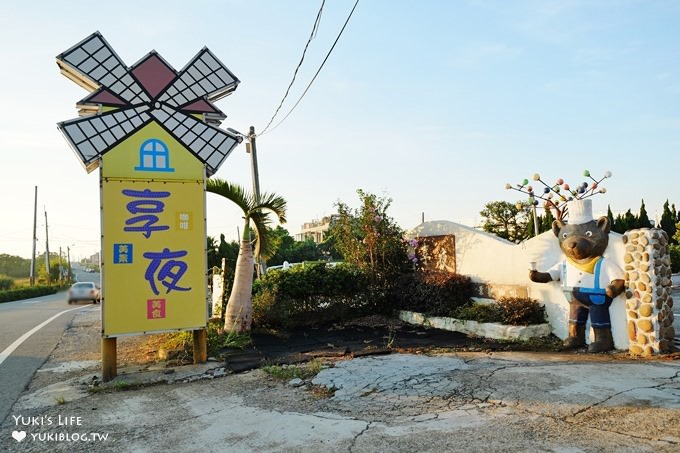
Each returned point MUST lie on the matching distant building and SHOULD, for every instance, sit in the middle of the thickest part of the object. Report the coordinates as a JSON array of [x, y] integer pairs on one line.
[[92, 260], [314, 230]]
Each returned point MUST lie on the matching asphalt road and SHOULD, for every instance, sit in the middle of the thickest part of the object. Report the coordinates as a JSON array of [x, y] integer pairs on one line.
[[21, 320]]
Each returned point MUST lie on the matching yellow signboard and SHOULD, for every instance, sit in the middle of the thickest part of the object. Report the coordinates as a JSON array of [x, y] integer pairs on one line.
[[153, 256], [153, 132], [152, 153]]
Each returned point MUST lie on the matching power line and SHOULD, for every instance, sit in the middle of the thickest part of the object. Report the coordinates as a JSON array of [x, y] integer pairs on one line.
[[304, 52], [319, 70]]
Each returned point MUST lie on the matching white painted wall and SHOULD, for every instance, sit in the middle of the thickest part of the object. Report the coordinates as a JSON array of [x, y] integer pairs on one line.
[[487, 258]]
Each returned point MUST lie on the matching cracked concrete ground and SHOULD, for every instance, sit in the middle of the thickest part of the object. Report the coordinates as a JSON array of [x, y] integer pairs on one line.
[[398, 402]]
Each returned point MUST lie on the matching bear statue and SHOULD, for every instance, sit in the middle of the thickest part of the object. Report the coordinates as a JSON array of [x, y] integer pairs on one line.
[[589, 280]]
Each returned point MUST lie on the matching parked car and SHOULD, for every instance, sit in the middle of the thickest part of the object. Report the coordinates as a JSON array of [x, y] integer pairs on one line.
[[84, 291]]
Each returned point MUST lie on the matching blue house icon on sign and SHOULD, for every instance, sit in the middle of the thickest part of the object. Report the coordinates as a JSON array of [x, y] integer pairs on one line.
[[154, 156]]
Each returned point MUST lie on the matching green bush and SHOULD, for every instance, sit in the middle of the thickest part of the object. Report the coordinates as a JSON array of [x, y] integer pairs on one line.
[[432, 293], [514, 311], [6, 282], [26, 293], [518, 311], [675, 258], [309, 295]]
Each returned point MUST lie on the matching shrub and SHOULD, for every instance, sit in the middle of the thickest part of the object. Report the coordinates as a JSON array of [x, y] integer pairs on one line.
[[432, 293], [675, 257], [370, 239], [520, 311], [26, 293], [309, 295], [514, 311], [6, 283]]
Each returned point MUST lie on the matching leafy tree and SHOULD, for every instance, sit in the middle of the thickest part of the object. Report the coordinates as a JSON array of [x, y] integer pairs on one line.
[[370, 239], [668, 220], [211, 247], [14, 266], [239, 313], [506, 220], [285, 248], [41, 273]]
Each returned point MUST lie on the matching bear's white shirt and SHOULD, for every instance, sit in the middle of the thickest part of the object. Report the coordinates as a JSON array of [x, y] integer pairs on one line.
[[570, 276]]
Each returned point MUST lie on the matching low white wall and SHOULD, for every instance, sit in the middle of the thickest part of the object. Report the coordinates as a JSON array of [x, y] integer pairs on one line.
[[489, 259], [480, 329]]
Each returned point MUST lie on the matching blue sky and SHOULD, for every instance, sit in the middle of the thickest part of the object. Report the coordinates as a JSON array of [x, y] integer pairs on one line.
[[435, 104]]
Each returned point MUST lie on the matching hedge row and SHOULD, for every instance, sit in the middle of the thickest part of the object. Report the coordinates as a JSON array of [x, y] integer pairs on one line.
[[26, 293], [432, 293], [310, 295], [6, 282]]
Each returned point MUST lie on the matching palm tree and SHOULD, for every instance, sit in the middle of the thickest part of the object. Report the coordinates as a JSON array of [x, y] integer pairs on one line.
[[239, 313]]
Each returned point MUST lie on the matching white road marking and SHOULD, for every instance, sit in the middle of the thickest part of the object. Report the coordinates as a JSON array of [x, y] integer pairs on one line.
[[10, 349]]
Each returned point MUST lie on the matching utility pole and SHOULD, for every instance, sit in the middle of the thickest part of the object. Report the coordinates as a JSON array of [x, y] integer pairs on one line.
[[35, 239], [533, 209], [47, 251], [252, 149], [68, 263], [61, 267]]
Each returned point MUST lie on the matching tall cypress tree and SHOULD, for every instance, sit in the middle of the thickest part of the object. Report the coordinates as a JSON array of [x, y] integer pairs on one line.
[[619, 225], [631, 221], [610, 216], [668, 219], [643, 218]]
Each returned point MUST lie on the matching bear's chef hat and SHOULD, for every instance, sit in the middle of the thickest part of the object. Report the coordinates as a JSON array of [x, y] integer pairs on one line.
[[580, 211]]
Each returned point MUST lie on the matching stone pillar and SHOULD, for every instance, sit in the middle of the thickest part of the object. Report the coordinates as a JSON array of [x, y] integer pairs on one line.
[[649, 306]]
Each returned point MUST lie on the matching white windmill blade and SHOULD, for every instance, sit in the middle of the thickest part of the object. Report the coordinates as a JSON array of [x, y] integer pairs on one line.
[[210, 144], [203, 77], [92, 136], [94, 60]]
